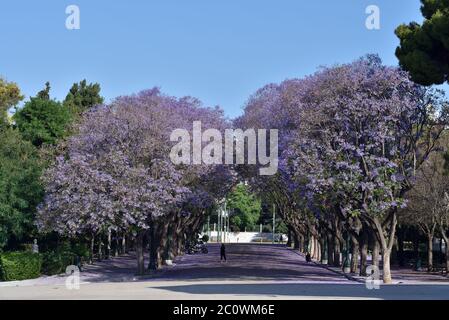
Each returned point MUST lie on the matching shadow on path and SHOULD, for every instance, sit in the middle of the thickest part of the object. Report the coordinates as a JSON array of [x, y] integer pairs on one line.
[[352, 291], [244, 262]]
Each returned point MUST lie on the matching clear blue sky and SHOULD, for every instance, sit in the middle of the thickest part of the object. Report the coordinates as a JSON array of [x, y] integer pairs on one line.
[[219, 51]]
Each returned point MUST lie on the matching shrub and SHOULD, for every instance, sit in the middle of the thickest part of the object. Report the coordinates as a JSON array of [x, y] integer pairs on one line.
[[55, 262], [205, 238], [20, 265], [81, 250]]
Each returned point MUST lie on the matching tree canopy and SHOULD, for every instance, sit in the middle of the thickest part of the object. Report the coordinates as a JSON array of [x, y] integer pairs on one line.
[[42, 120], [9, 96], [20, 188], [424, 49], [245, 208], [83, 96]]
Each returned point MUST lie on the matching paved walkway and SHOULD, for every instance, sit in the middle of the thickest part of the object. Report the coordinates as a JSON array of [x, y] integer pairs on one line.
[[250, 262], [251, 272], [245, 262]]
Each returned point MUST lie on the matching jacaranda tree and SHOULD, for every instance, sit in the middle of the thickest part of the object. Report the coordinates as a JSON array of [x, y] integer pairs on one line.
[[116, 174]]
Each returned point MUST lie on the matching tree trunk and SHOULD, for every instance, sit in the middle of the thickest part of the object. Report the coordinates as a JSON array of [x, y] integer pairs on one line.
[[92, 248], [108, 251], [169, 245], [447, 257], [386, 266], [354, 255], [363, 257], [375, 253], [316, 248], [153, 248], [337, 250], [330, 250], [116, 244], [445, 237], [302, 242], [311, 246], [289, 238], [429, 252], [323, 249], [124, 243], [394, 253], [163, 244], [140, 253], [100, 248], [296, 244], [386, 241]]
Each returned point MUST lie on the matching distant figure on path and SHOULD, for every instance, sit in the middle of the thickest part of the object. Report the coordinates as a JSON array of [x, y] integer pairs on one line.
[[308, 258], [223, 252]]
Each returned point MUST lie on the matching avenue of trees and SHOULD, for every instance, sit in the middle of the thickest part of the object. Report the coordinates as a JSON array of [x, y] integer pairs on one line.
[[363, 164], [353, 138], [362, 158]]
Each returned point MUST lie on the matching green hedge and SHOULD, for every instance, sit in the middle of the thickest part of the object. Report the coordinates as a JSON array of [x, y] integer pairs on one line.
[[20, 265]]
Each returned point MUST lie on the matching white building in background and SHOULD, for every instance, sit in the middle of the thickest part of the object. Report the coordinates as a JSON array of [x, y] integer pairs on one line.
[[246, 237]]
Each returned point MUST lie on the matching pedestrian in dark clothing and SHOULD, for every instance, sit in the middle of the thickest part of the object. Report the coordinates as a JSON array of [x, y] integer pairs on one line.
[[223, 252], [308, 257]]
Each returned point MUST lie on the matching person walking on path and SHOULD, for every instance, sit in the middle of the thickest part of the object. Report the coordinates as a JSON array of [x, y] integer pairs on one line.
[[222, 252], [308, 257]]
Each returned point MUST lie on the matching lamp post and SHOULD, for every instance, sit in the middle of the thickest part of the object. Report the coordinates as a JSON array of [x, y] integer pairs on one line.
[[219, 225], [225, 225]]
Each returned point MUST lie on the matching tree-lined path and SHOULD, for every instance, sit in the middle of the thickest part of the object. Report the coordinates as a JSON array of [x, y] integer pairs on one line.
[[250, 262], [264, 262], [253, 271]]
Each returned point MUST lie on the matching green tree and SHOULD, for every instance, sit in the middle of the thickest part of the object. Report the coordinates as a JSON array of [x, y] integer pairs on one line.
[[424, 49], [9, 96], [245, 208], [41, 120], [20, 188], [83, 96], [44, 94]]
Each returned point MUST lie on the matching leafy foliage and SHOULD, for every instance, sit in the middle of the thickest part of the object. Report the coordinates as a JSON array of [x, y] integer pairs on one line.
[[116, 172], [245, 208], [20, 265], [83, 96], [42, 121], [424, 49], [55, 262], [20, 188], [9, 96]]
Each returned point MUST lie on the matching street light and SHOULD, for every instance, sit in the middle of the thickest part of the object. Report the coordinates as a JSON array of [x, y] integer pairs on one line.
[[219, 225], [226, 224]]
